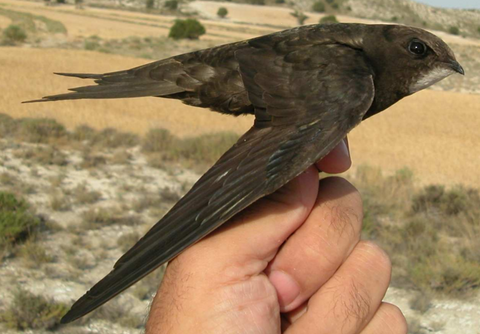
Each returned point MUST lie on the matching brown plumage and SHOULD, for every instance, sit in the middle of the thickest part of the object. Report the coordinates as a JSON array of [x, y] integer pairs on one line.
[[307, 86]]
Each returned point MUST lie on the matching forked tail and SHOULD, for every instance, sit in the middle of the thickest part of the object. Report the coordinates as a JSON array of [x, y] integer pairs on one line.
[[136, 82]]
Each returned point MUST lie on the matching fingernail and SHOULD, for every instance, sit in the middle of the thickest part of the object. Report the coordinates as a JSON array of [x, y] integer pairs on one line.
[[344, 148], [287, 288]]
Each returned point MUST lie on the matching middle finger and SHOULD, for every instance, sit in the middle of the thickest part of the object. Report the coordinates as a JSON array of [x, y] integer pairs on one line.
[[317, 249]]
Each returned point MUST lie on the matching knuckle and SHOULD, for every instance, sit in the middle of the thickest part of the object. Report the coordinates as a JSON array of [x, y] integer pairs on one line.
[[375, 256], [343, 200], [393, 318]]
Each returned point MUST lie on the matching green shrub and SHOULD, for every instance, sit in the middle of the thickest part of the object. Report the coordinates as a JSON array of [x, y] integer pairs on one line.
[[90, 44], [39, 130], [157, 140], [205, 148], [454, 30], [149, 4], [257, 2], [328, 19], [171, 4], [16, 222], [14, 34], [111, 138], [189, 28], [300, 16], [449, 202], [279, 1], [28, 311], [8, 125], [222, 12], [318, 7]]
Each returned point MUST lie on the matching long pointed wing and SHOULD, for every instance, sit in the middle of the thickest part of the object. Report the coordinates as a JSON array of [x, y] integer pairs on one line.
[[306, 100]]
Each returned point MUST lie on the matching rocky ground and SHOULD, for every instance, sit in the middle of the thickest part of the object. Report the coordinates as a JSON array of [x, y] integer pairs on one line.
[[96, 205]]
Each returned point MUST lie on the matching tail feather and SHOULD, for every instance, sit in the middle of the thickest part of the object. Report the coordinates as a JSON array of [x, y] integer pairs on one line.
[[137, 82]]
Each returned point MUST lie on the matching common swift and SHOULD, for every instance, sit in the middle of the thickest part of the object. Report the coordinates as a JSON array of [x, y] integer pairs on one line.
[[307, 87]]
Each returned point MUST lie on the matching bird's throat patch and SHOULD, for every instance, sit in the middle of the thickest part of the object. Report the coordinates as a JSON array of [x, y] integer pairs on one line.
[[430, 78]]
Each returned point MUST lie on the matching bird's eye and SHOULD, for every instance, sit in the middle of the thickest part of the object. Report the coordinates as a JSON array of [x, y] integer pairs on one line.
[[417, 47]]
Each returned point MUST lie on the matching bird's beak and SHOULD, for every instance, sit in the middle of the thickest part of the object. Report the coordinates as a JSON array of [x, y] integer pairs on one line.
[[457, 67]]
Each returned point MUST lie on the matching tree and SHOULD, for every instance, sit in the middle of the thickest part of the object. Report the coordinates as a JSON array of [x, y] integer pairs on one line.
[[149, 4], [256, 2], [189, 28], [301, 17], [318, 7], [14, 34], [454, 30], [222, 12], [171, 4], [328, 19]]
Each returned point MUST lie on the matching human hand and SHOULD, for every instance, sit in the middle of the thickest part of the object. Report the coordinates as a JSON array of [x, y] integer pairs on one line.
[[290, 263]]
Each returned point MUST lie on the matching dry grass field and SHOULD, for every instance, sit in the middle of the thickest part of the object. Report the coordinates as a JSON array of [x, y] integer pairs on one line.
[[34, 78]]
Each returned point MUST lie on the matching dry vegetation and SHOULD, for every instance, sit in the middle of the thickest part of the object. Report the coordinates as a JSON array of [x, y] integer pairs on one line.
[[431, 233]]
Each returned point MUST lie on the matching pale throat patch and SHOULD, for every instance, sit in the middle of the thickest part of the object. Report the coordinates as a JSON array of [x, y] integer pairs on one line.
[[430, 78]]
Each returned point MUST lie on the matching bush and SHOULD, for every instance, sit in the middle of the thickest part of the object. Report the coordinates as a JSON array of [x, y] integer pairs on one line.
[[16, 222], [189, 28], [256, 2], [157, 140], [449, 202], [39, 130], [279, 1], [8, 125], [318, 7], [171, 4], [454, 30], [28, 311], [300, 16], [205, 148], [222, 12], [328, 19], [14, 34], [149, 4]]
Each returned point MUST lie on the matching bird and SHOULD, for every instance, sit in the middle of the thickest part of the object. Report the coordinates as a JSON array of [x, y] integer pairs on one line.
[[307, 88]]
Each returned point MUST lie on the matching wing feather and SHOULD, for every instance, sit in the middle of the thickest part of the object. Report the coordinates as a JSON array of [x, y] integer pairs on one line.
[[301, 114]]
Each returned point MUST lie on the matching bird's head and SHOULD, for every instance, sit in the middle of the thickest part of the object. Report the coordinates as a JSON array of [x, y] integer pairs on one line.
[[406, 60]]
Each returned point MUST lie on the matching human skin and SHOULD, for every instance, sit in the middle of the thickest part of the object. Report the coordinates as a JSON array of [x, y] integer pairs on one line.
[[292, 263]]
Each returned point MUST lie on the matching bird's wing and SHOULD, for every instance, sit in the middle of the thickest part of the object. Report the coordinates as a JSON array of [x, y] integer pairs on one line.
[[306, 100]]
